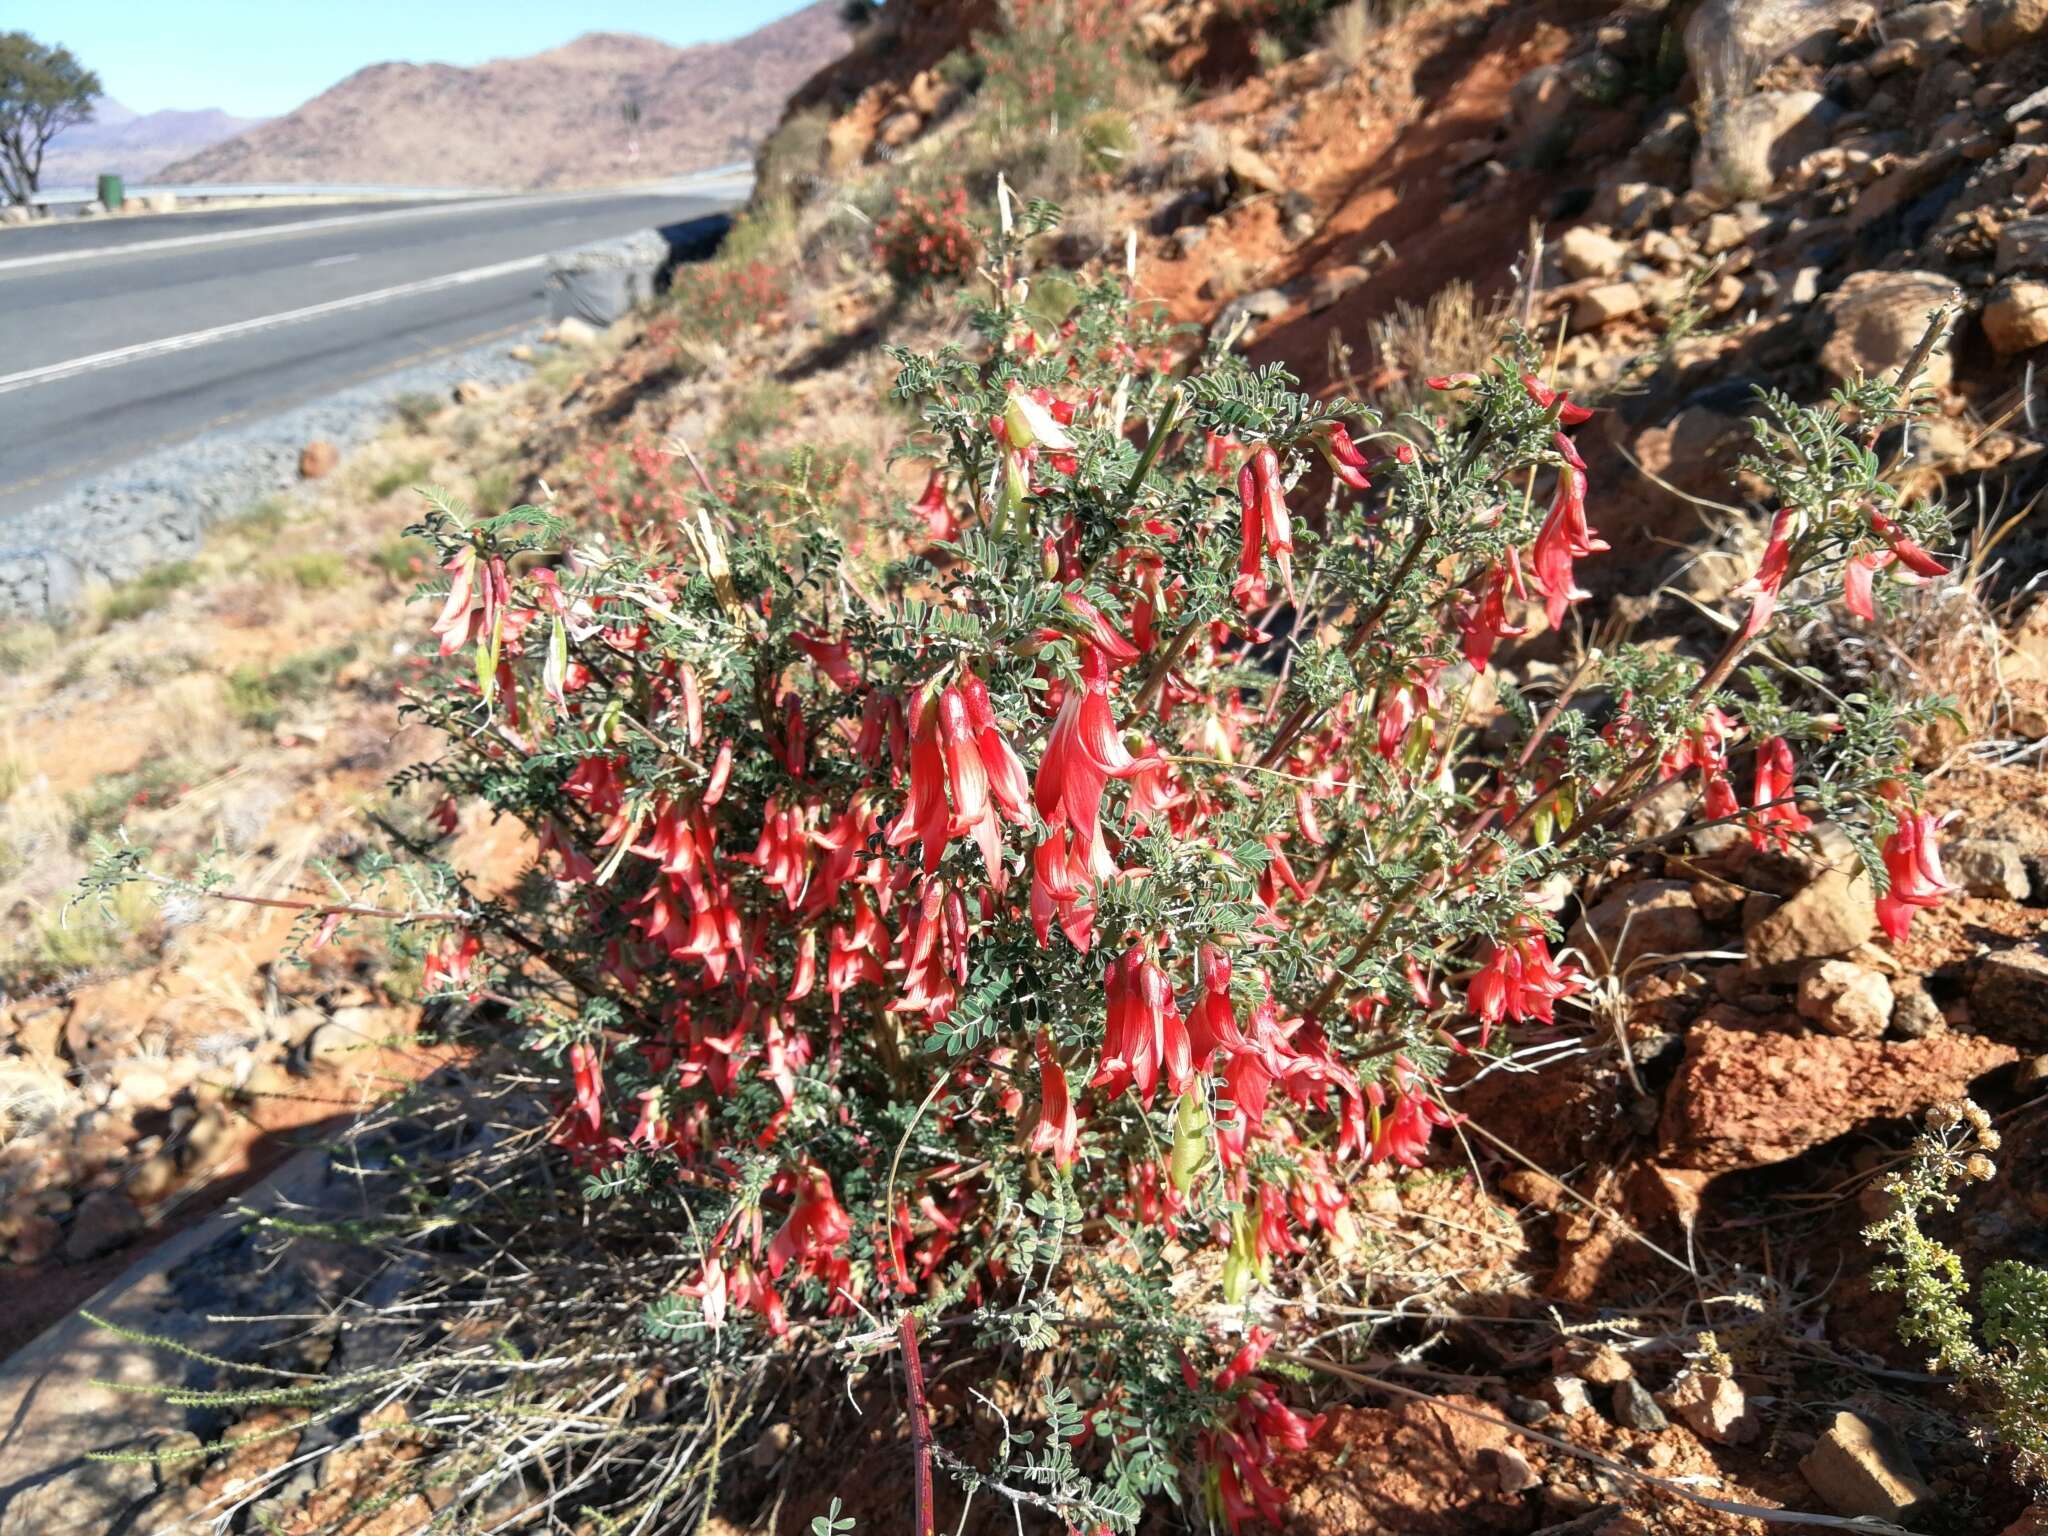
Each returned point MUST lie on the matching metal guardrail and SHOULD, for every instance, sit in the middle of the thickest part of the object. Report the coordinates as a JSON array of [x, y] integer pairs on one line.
[[57, 197]]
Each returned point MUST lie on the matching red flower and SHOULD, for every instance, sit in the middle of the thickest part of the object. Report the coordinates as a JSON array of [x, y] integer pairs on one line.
[[1564, 537], [1262, 502], [1520, 981], [1403, 1132], [1082, 754], [1334, 443], [448, 964], [1145, 1034], [1772, 826], [939, 522], [1058, 1130], [1568, 415], [1762, 588], [816, 1227], [1487, 621], [946, 760], [1914, 864]]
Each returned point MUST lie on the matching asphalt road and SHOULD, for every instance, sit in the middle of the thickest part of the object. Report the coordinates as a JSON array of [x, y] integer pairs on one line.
[[119, 336]]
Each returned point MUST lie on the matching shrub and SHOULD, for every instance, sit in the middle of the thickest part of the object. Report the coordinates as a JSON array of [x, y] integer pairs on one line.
[[1027, 955], [1999, 1359], [717, 300], [925, 240], [147, 592]]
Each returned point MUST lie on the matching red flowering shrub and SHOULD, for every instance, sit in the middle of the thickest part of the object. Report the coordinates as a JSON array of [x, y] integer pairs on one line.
[[1080, 921], [927, 239], [714, 299]]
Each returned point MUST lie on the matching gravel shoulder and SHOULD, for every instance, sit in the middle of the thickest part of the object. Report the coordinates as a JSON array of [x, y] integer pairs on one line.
[[157, 508]]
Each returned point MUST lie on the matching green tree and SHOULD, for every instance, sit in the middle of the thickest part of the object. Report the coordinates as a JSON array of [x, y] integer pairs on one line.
[[43, 91]]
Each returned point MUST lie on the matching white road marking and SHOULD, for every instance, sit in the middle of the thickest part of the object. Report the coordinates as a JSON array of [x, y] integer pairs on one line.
[[148, 349], [351, 220], [336, 261]]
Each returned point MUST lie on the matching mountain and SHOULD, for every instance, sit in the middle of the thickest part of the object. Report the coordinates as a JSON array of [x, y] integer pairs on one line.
[[552, 119], [136, 144]]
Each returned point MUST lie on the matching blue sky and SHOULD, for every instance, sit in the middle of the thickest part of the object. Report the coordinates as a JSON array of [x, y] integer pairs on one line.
[[258, 58]]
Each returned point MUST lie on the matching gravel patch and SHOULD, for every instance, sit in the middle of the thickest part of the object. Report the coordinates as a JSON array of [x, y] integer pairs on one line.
[[157, 508]]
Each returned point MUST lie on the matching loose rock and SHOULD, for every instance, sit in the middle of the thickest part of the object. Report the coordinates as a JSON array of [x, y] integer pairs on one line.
[[1714, 1408], [1859, 1468], [317, 460], [1988, 867], [1877, 320], [1749, 1094], [1650, 917], [2016, 317], [1830, 916], [1584, 251], [1634, 1408], [1608, 302], [106, 1221], [2009, 994], [1845, 999]]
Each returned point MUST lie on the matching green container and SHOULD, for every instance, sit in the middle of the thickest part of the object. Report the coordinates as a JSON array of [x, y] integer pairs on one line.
[[112, 193]]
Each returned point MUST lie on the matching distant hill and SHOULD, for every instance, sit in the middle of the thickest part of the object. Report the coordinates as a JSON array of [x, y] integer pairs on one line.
[[138, 145], [553, 119]]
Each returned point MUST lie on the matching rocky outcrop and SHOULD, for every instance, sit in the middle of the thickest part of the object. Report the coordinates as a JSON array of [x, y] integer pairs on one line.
[[1751, 1093]]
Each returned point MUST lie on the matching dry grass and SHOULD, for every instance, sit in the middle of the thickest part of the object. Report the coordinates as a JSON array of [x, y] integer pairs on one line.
[[1453, 332]]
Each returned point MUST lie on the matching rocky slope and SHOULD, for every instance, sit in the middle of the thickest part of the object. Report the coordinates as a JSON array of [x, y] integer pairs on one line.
[[135, 144], [552, 119]]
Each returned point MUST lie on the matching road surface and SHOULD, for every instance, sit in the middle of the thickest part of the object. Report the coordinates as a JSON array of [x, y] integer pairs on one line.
[[117, 337]]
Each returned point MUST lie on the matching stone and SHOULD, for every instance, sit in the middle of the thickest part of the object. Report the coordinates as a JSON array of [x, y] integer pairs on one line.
[[2023, 245], [1875, 321], [1845, 999], [1935, 21], [1753, 141], [1999, 26], [1512, 1472], [1714, 1408], [1604, 304], [81, 1496], [1646, 918], [1725, 232], [1634, 1408], [1186, 238], [16, 213], [1584, 251], [575, 331], [1630, 206], [1332, 283], [1570, 1395], [2009, 994], [469, 391], [1258, 307], [152, 1178], [2016, 317], [35, 1238], [318, 460], [105, 1221], [1606, 1366], [1830, 916], [1249, 170], [1988, 867], [1858, 1467], [898, 129], [1750, 1093], [1916, 1016], [206, 1137]]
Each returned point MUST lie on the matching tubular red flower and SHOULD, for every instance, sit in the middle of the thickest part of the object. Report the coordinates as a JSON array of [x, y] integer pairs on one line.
[[1265, 528], [1487, 621], [1913, 861], [1564, 537], [1145, 1034], [1334, 443], [1058, 1130], [1568, 415], [1773, 826], [1762, 588], [940, 524], [1520, 981]]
